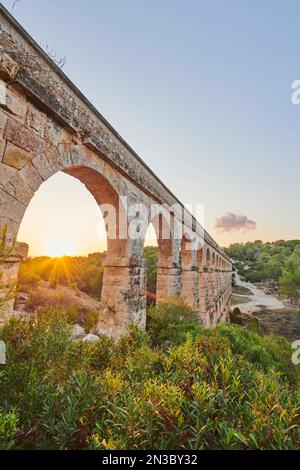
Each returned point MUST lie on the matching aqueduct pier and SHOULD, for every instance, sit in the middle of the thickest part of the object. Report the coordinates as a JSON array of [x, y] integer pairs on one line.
[[46, 126]]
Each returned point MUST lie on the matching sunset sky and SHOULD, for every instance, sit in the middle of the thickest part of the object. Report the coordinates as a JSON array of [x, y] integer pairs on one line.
[[200, 89]]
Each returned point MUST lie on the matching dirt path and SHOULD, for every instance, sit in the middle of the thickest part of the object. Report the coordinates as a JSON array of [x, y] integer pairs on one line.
[[258, 299]]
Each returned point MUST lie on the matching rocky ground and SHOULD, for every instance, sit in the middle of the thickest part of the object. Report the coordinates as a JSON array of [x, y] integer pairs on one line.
[[284, 322], [79, 306]]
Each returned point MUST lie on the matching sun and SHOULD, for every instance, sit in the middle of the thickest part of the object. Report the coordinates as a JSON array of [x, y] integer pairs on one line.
[[57, 247]]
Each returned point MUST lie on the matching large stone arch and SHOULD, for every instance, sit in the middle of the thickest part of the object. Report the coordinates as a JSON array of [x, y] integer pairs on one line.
[[29, 161]]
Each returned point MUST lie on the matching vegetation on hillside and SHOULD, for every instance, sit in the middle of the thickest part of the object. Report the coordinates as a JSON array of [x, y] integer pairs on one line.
[[174, 386], [290, 279], [188, 388], [277, 263], [80, 272]]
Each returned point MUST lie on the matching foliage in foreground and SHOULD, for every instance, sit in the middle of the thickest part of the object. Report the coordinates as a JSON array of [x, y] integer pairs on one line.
[[223, 388]]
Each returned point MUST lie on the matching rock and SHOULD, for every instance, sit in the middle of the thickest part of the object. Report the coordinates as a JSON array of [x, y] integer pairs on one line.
[[102, 332], [77, 332], [8, 67], [16, 157], [91, 338]]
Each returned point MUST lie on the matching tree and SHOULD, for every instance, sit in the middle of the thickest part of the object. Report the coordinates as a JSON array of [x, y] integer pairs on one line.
[[4, 254], [151, 255], [290, 284], [290, 279]]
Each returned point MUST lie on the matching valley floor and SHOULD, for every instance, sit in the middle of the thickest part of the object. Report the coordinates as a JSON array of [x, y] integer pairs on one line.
[[257, 298], [273, 314]]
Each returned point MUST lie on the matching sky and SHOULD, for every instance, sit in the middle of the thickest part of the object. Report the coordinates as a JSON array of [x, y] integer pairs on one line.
[[200, 89]]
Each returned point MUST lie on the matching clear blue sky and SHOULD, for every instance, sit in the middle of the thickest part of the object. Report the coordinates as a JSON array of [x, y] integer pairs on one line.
[[200, 89]]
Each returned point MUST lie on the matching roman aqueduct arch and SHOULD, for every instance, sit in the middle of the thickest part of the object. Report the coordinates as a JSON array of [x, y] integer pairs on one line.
[[47, 126]]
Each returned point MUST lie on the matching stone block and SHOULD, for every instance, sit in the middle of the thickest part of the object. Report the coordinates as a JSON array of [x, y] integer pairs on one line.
[[22, 137], [6, 172], [65, 157], [8, 67], [11, 225], [11, 103], [16, 157], [66, 137], [53, 157], [31, 175], [43, 166], [2, 148], [52, 132], [10, 208], [36, 120], [19, 189], [3, 121]]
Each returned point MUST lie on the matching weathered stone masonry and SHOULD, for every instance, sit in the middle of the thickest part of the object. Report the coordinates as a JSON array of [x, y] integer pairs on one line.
[[46, 126]]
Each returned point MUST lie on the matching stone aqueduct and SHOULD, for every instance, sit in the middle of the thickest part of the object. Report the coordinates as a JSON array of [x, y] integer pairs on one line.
[[46, 126]]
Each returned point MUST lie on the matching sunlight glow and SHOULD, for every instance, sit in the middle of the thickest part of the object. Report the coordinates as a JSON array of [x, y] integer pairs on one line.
[[61, 219], [58, 247]]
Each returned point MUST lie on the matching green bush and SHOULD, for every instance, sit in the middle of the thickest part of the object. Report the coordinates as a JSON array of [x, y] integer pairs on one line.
[[77, 309], [266, 352], [222, 388], [8, 429], [169, 322], [91, 320], [236, 316]]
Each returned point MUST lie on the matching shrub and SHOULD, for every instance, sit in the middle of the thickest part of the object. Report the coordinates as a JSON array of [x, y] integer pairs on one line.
[[91, 320], [222, 388], [266, 352], [78, 307], [169, 322], [235, 316], [8, 429]]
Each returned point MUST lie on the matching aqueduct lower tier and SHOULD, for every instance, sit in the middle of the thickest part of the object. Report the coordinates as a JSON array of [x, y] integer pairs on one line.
[[47, 126]]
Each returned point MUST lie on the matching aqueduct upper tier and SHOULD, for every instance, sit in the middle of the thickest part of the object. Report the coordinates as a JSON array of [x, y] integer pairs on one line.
[[46, 126]]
